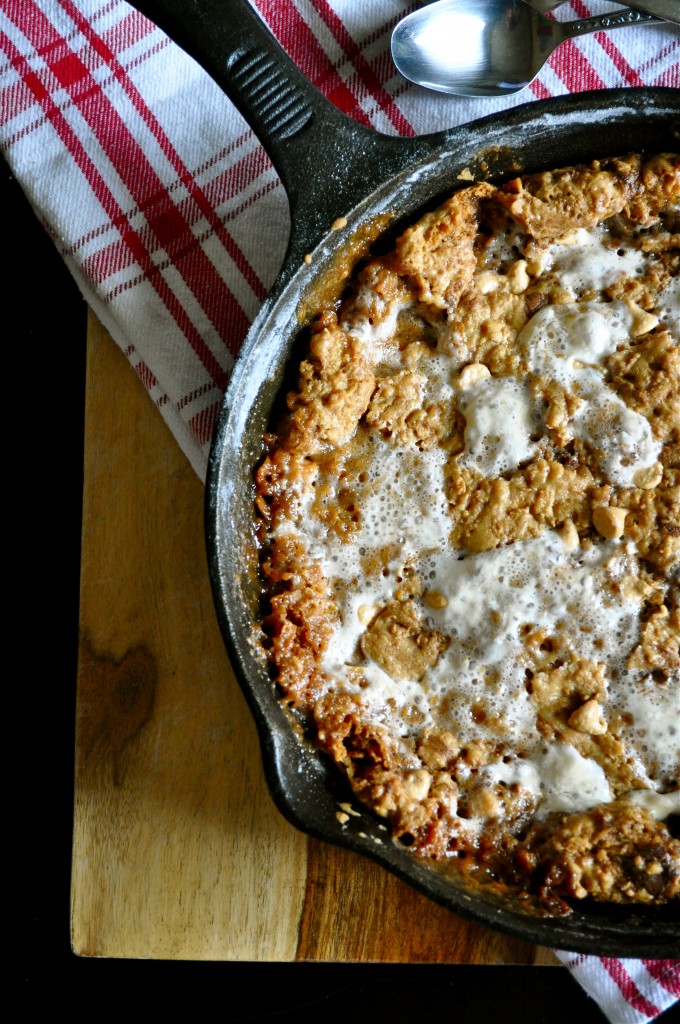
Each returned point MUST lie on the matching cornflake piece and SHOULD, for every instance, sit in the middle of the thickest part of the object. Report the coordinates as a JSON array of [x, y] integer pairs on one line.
[[643, 322]]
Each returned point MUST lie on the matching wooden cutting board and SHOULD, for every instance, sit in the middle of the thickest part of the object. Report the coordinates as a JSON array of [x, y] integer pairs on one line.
[[179, 852]]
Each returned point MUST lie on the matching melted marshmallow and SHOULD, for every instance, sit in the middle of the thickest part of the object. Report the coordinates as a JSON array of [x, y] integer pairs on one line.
[[569, 344], [587, 264], [669, 306], [570, 781], [659, 805], [500, 416]]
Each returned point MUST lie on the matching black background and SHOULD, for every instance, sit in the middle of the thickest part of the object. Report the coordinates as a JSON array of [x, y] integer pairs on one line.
[[45, 328]]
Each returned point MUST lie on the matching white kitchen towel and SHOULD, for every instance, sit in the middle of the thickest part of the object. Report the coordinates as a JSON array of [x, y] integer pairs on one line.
[[627, 991], [171, 219], [160, 198]]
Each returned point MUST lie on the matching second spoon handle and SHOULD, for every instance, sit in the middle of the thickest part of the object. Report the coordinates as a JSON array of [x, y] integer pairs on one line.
[[668, 10]]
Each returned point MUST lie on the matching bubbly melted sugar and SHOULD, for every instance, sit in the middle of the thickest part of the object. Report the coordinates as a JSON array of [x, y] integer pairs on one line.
[[530, 671]]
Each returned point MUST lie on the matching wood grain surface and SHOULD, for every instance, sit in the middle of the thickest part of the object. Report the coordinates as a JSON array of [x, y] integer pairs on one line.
[[179, 852]]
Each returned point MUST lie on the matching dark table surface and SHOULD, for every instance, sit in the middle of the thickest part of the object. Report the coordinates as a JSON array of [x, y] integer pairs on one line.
[[46, 332]]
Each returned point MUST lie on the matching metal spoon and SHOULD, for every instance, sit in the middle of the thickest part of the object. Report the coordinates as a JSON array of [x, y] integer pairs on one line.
[[486, 47]]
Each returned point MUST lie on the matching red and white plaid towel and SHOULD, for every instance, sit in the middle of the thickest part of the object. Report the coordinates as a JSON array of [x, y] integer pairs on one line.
[[627, 991], [172, 221]]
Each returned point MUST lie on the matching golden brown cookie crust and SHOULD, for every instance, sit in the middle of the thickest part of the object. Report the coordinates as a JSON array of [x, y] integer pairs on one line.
[[396, 369]]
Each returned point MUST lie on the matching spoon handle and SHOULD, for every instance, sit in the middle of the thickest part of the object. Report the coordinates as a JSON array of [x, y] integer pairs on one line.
[[617, 19]]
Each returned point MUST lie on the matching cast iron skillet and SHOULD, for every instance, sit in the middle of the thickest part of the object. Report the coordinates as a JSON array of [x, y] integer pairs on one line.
[[330, 167]]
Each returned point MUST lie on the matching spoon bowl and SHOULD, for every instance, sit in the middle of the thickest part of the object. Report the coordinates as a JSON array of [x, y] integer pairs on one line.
[[486, 47]]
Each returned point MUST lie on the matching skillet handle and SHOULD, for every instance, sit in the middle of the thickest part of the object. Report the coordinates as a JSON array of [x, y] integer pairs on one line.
[[327, 162]]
